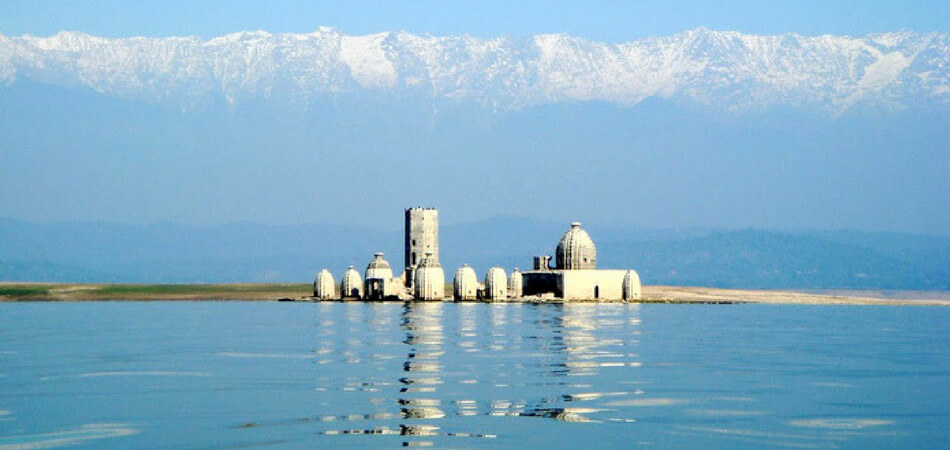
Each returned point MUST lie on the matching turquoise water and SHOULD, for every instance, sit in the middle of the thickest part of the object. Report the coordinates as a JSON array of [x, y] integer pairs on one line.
[[243, 374]]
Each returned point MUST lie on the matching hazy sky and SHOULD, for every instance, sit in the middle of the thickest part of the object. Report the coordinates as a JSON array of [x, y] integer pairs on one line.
[[599, 20], [68, 153]]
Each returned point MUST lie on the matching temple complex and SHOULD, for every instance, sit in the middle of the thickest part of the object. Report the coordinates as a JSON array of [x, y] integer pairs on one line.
[[573, 277]]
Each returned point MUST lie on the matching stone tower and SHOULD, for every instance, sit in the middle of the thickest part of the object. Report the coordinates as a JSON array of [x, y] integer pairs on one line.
[[422, 237]]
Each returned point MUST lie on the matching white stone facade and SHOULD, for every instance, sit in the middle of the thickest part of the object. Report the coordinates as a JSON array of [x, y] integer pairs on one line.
[[496, 284], [324, 287], [592, 284], [352, 284], [466, 283], [515, 281], [631, 286], [429, 282], [379, 283]]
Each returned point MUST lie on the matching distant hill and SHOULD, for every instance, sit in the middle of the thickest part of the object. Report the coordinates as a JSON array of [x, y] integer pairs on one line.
[[771, 260], [248, 252]]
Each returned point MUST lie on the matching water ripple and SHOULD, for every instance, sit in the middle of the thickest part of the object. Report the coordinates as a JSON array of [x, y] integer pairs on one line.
[[70, 436]]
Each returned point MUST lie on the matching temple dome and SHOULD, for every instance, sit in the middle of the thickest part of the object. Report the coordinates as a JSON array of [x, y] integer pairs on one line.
[[429, 283], [576, 250], [631, 285], [379, 268], [466, 283], [323, 285], [515, 283], [352, 285], [496, 284]]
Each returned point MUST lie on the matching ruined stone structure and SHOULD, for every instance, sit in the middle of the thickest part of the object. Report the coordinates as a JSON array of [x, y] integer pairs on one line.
[[352, 284], [515, 284], [324, 287], [429, 280], [465, 286], [631, 285], [574, 275], [496, 284], [379, 283], [422, 236]]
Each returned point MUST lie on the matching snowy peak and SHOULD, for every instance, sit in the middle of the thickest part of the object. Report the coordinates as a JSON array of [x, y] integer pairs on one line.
[[720, 69]]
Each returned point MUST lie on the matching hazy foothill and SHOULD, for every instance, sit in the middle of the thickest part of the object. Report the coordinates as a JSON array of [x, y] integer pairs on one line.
[[255, 253]]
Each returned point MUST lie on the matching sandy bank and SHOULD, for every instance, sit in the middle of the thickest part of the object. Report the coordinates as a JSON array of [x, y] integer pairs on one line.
[[683, 294]]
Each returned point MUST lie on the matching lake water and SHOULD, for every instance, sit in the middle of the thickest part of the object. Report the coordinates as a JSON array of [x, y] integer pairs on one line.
[[245, 374]]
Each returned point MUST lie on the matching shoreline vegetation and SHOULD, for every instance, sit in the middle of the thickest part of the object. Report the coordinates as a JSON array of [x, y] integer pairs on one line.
[[18, 291]]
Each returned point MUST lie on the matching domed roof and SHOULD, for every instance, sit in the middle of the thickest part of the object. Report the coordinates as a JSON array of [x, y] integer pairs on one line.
[[496, 283], [429, 283], [466, 273], [515, 283], [352, 285], [576, 250], [324, 286], [631, 285], [351, 273], [466, 283], [379, 268], [324, 275]]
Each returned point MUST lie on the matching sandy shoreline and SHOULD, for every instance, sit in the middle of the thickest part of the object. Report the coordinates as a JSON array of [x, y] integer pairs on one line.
[[11, 292], [684, 294]]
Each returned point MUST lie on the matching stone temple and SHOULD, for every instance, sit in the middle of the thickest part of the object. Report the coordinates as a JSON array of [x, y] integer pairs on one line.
[[573, 277]]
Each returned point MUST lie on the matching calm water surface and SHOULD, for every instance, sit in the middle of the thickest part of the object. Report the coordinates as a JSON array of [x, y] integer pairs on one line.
[[236, 374]]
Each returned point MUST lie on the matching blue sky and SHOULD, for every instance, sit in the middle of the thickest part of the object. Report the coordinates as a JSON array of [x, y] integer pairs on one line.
[[600, 20]]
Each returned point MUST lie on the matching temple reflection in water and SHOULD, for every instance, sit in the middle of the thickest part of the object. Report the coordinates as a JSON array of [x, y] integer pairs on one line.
[[462, 363]]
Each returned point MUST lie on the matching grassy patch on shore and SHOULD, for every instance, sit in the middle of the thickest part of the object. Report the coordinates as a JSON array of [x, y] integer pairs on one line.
[[127, 289], [23, 290], [66, 292]]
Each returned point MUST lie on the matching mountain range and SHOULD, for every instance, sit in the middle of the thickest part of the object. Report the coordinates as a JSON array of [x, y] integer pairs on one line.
[[719, 69], [706, 130]]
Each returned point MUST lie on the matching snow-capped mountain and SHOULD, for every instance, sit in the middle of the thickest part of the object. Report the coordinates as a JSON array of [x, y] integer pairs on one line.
[[720, 69]]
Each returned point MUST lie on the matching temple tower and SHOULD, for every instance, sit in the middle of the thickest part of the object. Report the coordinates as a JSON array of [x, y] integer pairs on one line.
[[496, 284], [576, 250], [429, 283], [422, 237]]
